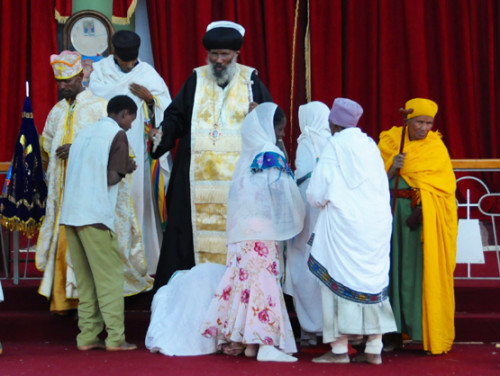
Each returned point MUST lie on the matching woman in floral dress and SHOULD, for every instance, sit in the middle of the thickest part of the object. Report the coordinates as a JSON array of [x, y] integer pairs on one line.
[[248, 311]]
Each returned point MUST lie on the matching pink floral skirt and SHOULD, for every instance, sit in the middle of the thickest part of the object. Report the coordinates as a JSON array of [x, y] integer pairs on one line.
[[248, 306]]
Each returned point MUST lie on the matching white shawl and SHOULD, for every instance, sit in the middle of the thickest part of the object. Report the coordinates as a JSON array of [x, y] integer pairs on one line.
[[353, 231], [265, 205], [315, 131], [107, 81]]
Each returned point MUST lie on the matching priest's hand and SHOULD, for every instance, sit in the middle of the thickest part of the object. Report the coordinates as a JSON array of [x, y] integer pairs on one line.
[[141, 92], [252, 105], [153, 132], [62, 152]]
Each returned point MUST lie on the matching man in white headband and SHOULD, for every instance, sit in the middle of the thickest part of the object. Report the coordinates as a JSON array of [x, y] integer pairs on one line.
[[206, 117]]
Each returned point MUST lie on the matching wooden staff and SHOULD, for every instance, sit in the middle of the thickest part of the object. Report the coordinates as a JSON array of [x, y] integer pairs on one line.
[[405, 114]]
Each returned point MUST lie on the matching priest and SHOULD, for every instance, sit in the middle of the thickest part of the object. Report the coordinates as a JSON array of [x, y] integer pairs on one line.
[[205, 118]]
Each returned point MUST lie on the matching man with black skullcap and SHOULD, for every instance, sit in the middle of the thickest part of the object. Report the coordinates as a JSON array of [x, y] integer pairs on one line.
[[123, 73], [206, 117]]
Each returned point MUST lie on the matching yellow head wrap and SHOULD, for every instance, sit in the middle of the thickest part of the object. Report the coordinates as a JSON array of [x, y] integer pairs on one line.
[[421, 106]]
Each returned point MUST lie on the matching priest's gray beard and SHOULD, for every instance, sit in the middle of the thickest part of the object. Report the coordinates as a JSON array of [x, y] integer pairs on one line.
[[225, 75]]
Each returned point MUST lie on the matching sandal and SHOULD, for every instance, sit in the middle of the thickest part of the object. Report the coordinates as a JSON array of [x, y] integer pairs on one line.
[[232, 348]]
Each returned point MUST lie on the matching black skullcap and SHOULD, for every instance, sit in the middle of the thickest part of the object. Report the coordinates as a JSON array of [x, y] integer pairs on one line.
[[126, 44], [223, 35]]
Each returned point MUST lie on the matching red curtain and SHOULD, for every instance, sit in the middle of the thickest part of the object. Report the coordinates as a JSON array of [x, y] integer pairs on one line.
[[14, 33], [377, 52], [28, 38], [63, 10], [382, 53]]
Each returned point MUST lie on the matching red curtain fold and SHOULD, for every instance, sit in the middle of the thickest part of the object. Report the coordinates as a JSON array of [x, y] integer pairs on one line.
[[63, 10], [28, 39], [14, 31], [123, 11], [43, 43]]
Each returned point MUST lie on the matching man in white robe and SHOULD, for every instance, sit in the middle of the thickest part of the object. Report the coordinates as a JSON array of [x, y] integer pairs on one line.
[[124, 74], [351, 241], [78, 109]]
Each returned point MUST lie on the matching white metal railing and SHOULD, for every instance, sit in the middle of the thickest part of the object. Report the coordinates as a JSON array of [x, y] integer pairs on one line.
[[10, 244], [486, 225]]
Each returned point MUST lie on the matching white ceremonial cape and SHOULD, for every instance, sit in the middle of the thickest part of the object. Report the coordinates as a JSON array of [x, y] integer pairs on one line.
[[299, 281], [353, 231], [107, 81]]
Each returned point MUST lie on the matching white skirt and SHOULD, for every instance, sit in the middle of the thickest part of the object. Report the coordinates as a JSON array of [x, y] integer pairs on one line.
[[179, 308], [346, 317]]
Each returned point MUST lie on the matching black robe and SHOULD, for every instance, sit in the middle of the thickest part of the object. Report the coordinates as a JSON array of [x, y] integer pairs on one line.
[[177, 251]]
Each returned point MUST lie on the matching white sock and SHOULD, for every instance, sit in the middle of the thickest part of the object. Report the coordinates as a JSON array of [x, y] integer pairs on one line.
[[374, 344]]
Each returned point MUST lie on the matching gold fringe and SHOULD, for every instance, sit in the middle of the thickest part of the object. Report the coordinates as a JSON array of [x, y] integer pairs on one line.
[[307, 54], [211, 193], [213, 258], [28, 228], [125, 20], [212, 243], [59, 18], [211, 217]]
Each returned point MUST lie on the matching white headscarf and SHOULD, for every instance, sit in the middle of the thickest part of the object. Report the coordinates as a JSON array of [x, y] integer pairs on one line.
[[315, 131], [314, 127], [265, 205]]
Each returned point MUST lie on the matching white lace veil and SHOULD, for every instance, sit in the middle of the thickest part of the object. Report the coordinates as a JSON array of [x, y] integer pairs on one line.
[[265, 205]]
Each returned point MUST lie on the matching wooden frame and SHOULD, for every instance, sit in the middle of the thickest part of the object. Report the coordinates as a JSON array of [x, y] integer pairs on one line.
[[98, 16]]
